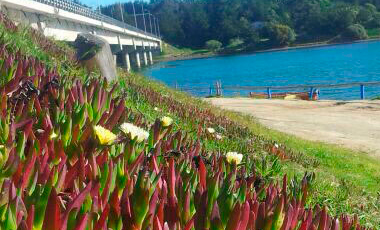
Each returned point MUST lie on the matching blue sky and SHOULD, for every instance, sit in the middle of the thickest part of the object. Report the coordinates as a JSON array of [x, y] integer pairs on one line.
[[94, 3]]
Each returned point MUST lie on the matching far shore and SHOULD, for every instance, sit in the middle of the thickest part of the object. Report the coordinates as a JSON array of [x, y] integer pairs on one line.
[[293, 47]]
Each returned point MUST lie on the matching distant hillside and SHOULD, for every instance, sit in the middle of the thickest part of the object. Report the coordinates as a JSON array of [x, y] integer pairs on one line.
[[257, 23]]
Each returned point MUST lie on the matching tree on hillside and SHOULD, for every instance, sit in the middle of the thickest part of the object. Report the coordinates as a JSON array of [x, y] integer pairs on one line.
[[195, 24], [213, 45], [280, 35], [355, 32], [171, 22]]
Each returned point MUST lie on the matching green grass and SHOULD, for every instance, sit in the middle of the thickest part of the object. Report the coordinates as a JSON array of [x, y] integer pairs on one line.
[[172, 52], [346, 180], [373, 33], [21, 41]]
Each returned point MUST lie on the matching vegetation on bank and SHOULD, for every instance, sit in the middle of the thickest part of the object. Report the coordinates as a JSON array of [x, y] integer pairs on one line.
[[259, 24], [170, 52], [78, 152]]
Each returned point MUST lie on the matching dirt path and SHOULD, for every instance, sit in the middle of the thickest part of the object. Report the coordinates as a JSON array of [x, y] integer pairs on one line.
[[353, 124]]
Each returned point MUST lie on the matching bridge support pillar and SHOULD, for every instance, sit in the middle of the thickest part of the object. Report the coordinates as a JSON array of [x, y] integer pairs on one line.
[[127, 62], [138, 62], [150, 57], [115, 59], [145, 58]]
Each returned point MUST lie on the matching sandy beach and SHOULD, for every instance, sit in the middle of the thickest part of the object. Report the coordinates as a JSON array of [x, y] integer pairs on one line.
[[352, 124]]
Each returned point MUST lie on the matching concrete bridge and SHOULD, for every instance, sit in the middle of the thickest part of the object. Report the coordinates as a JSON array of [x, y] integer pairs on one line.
[[64, 20]]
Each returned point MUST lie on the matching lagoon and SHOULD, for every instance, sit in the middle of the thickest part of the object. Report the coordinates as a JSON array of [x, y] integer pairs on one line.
[[358, 62]]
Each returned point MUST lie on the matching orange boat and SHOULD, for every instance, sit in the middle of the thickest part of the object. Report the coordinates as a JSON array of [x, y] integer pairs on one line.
[[288, 95]]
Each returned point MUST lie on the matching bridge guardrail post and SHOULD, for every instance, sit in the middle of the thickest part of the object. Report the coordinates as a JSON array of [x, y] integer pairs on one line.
[[311, 93], [362, 95], [269, 92]]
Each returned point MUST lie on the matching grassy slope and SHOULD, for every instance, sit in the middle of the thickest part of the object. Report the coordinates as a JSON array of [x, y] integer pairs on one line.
[[346, 181], [170, 52]]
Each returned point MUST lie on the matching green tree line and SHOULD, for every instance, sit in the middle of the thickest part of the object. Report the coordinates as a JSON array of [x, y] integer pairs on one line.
[[253, 24]]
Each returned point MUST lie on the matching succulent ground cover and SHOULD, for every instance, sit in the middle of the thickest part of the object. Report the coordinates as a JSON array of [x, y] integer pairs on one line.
[[340, 182], [79, 153]]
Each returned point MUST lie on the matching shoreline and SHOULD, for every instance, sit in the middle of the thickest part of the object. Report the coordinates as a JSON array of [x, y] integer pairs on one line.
[[295, 47]]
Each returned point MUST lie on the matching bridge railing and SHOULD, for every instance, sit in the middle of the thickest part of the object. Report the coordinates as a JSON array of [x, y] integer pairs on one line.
[[328, 89], [73, 7]]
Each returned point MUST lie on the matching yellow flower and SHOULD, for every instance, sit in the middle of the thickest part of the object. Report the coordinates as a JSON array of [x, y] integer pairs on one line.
[[234, 157], [166, 121], [134, 132], [104, 136], [2, 147], [53, 135], [210, 130]]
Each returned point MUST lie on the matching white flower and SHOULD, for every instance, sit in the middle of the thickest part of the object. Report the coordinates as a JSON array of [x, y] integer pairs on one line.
[[104, 136], [157, 109], [210, 130], [276, 145], [234, 157], [166, 121], [134, 132], [40, 131], [218, 136]]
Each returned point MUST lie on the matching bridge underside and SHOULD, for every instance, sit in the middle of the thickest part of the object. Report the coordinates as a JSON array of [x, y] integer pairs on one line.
[[129, 51]]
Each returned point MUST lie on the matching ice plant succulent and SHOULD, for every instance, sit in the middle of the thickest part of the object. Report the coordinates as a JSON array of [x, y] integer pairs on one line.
[[166, 121], [104, 136], [134, 132], [234, 157]]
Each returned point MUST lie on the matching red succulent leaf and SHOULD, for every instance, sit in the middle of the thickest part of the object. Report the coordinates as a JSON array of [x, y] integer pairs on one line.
[[156, 224], [202, 174], [172, 178], [61, 179], [75, 204], [244, 217], [29, 166], [323, 220], [82, 223], [107, 186], [71, 175], [114, 118], [234, 219], [306, 224], [53, 212], [115, 202], [189, 225], [102, 220], [30, 217]]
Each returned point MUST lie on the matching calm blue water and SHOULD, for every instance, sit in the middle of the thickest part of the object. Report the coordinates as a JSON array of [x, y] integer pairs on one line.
[[358, 62]]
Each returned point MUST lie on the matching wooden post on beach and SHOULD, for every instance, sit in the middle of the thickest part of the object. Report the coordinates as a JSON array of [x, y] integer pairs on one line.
[[362, 96], [218, 88], [269, 92]]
